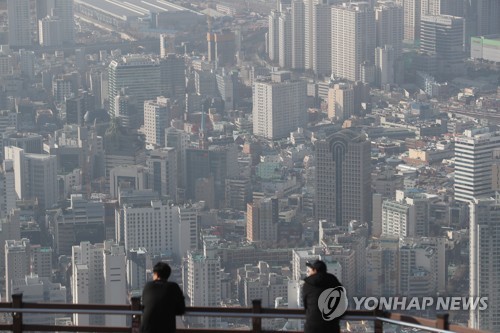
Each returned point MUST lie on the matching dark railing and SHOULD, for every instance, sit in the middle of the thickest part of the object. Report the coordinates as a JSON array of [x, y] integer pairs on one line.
[[256, 313]]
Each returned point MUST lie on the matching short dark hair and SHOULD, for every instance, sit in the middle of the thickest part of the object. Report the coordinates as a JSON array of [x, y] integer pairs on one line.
[[317, 265], [163, 270]]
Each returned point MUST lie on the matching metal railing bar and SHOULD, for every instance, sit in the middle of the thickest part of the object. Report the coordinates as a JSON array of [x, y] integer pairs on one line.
[[62, 328], [71, 311], [408, 324]]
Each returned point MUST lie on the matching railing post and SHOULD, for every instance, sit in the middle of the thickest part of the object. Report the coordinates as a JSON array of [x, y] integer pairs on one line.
[[17, 317], [378, 325], [442, 321], [256, 321], [136, 319]]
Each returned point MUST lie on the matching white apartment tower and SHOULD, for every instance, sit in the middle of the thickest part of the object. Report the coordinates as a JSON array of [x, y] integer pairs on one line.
[[273, 36], [411, 19], [278, 106], [484, 254], [473, 163], [353, 39], [157, 116], [285, 39], [430, 7], [18, 14]]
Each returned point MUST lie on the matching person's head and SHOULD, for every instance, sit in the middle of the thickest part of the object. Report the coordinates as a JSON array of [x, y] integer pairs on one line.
[[315, 267], [161, 271]]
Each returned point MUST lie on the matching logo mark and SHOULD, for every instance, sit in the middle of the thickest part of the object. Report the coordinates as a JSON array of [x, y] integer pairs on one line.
[[332, 303]]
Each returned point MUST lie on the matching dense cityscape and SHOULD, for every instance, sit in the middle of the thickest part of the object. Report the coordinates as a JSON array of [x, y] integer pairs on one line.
[[238, 140]]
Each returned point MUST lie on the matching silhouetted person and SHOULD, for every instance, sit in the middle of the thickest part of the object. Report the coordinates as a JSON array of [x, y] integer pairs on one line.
[[162, 301], [317, 281]]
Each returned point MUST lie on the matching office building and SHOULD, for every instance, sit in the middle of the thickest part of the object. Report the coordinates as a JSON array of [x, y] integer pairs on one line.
[[139, 74], [481, 17], [125, 177], [406, 216], [385, 65], [278, 106], [162, 176], [343, 179], [179, 140], [484, 273], [202, 283], [485, 48], [262, 221], [136, 269], [157, 116], [63, 9], [7, 189], [17, 263], [473, 163], [115, 287], [18, 14], [50, 31], [173, 76], [353, 39], [341, 102], [382, 266], [222, 47], [442, 37], [35, 176], [27, 63]]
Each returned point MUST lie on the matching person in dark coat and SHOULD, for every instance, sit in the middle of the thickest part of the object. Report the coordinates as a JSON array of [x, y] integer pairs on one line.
[[162, 301], [317, 281]]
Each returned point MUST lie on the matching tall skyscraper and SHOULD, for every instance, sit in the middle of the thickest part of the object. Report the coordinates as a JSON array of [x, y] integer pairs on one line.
[[442, 37], [139, 74], [309, 32], [173, 76], [343, 184], [484, 275], [298, 35], [322, 39], [273, 36], [278, 106], [285, 39], [353, 39], [412, 12], [63, 9], [473, 163], [389, 23], [18, 13]]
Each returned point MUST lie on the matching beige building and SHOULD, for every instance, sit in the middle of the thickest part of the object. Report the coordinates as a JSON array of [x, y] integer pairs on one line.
[[340, 102]]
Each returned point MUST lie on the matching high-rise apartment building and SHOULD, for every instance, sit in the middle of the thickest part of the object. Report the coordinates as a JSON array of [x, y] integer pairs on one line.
[[441, 37], [278, 106], [407, 216], [484, 274], [343, 180], [18, 14], [139, 74], [353, 39], [273, 36], [322, 39], [412, 13], [157, 116], [285, 39], [430, 7], [473, 163]]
